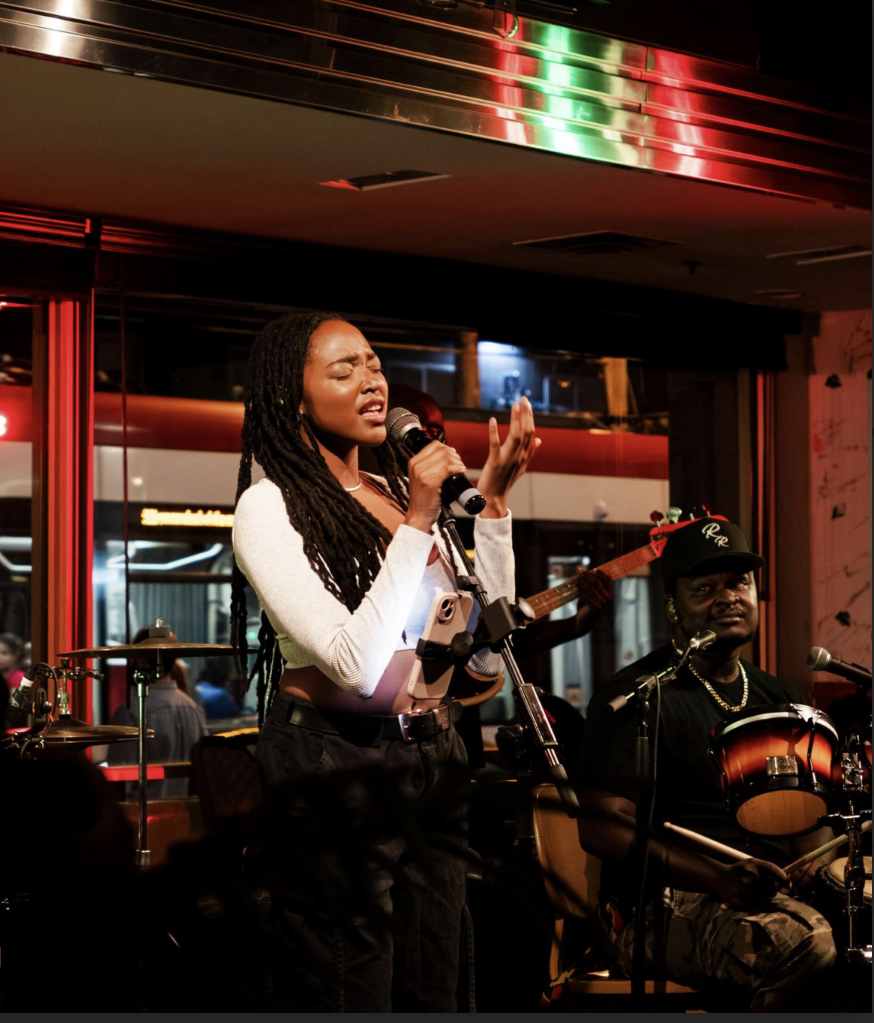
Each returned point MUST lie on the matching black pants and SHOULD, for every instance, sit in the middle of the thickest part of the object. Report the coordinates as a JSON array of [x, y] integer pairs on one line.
[[348, 966]]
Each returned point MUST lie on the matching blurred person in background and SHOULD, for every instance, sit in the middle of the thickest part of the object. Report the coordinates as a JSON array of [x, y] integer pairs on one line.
[[11, 654], [214, 690]]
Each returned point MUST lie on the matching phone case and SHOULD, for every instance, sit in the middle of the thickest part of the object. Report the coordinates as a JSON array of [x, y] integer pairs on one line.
[[448, 615]]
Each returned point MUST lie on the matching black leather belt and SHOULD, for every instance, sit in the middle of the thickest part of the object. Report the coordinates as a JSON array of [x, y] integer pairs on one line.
[[365, 729]]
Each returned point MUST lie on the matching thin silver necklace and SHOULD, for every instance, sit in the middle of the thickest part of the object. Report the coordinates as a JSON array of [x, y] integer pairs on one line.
[[358, 486]]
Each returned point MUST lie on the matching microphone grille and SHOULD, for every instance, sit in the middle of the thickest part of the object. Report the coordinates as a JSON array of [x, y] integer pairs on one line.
[[702, 640], [818, 659], [398, 420]]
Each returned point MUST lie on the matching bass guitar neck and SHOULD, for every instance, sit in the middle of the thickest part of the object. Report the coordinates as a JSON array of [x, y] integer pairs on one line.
[[549, 600]]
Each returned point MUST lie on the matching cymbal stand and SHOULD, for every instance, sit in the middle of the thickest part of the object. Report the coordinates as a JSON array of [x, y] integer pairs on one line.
[[850, 821], [142, 679]]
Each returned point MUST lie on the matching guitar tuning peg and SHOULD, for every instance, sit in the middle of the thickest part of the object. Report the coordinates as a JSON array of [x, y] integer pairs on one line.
[[656, 517], [674, 514]]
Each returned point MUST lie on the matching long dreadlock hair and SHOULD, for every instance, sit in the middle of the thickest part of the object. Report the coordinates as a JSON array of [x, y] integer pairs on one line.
[[343, 542]]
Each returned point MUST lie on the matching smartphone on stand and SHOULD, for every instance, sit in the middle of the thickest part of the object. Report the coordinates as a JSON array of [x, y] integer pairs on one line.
[[448, 616]]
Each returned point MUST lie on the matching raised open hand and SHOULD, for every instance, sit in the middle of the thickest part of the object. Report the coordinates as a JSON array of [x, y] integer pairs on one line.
[[508, 460]]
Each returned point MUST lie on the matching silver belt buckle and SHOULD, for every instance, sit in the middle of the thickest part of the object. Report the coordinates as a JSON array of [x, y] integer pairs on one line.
[[404, 721]]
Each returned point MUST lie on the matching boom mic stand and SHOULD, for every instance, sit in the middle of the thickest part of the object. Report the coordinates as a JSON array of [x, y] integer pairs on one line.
[[641, 690], [498, 620]]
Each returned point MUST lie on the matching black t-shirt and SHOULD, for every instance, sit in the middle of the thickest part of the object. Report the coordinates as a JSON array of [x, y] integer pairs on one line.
[[688, 785]]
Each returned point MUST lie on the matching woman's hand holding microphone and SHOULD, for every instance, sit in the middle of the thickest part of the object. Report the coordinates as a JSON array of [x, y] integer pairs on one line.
[[426, 473], [506, 462]]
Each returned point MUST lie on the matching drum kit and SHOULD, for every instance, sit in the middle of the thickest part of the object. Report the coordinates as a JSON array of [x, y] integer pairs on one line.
[[786, 772], [51, 735]]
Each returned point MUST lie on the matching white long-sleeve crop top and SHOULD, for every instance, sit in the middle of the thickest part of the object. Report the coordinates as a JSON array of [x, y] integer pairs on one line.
[[353, 649]]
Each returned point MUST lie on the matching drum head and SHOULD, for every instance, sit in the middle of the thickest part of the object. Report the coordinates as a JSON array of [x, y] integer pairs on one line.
[[788, 812], [836, 870]]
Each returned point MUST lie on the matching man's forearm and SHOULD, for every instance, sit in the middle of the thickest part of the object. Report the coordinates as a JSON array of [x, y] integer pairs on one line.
[[611, 836]]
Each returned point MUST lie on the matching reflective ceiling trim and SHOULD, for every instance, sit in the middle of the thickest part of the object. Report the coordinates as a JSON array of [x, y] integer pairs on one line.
[[547, 87]]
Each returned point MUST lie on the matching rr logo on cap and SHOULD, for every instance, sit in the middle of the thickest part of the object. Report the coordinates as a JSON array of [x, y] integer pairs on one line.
[[711, 531]]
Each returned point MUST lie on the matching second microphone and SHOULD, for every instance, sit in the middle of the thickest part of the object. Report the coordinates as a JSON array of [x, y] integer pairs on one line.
[[405, 428]]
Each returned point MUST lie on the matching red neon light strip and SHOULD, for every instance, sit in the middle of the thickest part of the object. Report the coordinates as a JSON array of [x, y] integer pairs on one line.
[[182, 424], [132, 773]]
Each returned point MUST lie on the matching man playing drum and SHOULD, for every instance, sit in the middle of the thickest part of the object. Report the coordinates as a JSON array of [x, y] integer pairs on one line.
[[709, 921]]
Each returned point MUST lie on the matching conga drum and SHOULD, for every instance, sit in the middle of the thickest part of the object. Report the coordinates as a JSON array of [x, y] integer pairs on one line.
[[830, 896], [776, 767]]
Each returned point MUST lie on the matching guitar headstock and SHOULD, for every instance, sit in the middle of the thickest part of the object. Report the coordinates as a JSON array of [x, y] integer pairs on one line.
[[670, 523]]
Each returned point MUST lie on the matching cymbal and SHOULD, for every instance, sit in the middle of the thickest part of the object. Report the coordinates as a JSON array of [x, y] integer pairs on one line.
[[90, 735], [150, 648]]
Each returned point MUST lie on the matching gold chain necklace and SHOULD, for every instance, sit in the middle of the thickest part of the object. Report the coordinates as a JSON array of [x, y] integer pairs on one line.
[[722, 703]]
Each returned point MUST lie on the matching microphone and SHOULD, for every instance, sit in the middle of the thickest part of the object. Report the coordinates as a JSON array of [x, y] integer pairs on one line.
[[700, 641], [21, 700], [405, 428], [820, 659]]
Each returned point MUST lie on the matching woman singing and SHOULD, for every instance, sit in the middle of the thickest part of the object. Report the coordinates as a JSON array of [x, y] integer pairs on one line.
[[345, 566]]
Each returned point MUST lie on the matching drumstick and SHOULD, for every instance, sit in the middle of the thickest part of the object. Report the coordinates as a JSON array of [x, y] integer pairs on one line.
[[816, 853], [711, 843]]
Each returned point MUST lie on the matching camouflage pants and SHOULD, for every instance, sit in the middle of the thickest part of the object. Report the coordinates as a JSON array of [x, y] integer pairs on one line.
[[768, 955]]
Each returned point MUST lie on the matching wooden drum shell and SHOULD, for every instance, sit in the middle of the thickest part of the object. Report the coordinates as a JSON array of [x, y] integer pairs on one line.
[[776, 738]]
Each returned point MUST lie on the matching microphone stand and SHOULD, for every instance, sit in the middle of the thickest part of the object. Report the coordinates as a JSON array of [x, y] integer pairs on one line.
[[537, 724], [644, 770], [849, 821]]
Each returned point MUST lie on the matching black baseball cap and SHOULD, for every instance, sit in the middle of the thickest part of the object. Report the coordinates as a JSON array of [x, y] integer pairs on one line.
[[701, 545]]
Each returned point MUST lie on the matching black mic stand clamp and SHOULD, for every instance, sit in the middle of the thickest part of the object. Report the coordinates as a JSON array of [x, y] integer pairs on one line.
[[498, 626]]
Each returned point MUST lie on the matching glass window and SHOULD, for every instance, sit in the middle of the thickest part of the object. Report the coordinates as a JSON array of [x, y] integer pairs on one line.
[[16, 487]]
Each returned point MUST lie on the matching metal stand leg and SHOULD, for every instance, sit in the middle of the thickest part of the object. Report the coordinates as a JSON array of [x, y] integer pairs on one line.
[[159, 631], [143, 854]]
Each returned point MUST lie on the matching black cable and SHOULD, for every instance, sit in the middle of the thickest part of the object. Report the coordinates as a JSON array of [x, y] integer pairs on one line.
[[124, 466]]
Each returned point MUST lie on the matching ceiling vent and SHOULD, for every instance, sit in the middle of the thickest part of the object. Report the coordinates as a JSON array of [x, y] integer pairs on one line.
[[783, 294], [368, 182], [804, 257], [597, 243]]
